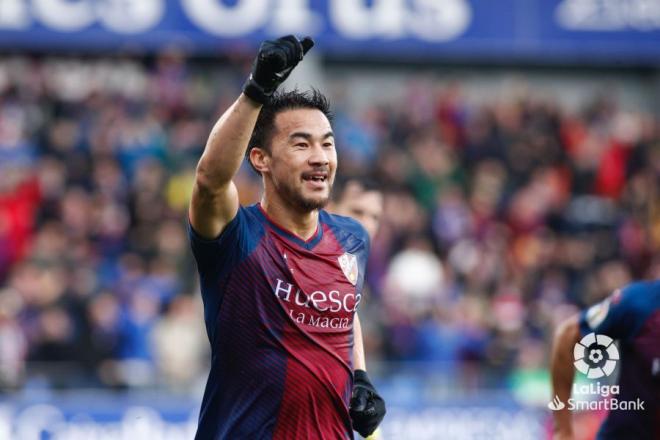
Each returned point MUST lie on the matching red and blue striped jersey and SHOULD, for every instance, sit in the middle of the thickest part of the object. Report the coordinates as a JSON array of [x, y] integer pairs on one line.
[[279, 316], [632, 316]]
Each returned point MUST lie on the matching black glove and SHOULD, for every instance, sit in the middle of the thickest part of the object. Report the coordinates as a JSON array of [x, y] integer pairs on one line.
[[367, 407], [275, 61]]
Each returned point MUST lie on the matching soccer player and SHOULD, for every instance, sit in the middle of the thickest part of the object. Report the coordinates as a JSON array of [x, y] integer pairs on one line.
[[632, 316], [281, 280]]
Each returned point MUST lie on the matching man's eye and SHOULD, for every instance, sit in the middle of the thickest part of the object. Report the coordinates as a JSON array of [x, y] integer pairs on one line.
[[328, 145], [301, 145]]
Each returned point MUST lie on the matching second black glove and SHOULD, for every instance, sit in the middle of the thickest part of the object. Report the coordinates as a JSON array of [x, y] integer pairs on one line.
[[367, 408]]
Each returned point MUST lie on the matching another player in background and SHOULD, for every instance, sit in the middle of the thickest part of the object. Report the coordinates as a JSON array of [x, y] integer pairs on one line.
[[362, 200], [631, 316], [281, 280]]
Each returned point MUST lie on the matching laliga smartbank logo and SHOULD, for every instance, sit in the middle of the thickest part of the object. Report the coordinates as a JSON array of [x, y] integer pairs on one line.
[[595, 356]]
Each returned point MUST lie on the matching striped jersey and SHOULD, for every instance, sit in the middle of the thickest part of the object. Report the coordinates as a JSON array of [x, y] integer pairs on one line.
[[279, 316]]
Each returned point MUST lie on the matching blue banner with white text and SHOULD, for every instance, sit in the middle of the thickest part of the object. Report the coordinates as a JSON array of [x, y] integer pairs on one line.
[[534, 30]]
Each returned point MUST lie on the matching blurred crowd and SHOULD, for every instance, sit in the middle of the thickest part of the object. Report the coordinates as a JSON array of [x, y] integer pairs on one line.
[[500, 219]]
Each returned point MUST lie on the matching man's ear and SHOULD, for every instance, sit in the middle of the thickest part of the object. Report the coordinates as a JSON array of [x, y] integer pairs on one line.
[[260, 159]]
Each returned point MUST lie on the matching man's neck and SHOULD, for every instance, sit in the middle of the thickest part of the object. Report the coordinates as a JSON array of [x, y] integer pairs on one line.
[[301, 224]]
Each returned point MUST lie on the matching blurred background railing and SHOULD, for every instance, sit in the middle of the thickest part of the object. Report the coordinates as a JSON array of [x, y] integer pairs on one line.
[[425, 401]]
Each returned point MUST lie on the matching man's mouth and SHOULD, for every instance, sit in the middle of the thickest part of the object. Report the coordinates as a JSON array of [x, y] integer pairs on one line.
[[315, 177]]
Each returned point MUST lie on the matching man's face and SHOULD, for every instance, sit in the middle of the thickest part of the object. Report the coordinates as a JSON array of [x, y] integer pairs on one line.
[[303, 160], [364, 206]]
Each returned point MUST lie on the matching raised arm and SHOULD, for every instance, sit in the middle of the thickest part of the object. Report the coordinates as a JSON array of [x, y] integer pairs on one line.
[[214, 201], [563, 372]]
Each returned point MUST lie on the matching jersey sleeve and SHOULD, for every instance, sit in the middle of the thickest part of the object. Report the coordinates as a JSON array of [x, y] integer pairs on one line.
[[217, 256], [216, 259], [615, 316]]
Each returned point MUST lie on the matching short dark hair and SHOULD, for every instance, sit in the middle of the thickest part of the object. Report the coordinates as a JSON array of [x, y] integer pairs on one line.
[[280, 102], [367, 184]]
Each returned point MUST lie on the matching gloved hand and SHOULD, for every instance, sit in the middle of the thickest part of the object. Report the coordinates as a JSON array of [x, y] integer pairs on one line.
[[273, 64], [367, 408]]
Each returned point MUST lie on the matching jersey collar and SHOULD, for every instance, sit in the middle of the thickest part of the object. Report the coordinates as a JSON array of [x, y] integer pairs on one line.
[[282, 231]]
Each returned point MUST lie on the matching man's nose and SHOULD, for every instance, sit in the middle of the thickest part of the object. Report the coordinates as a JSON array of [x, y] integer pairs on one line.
[[319, 156]]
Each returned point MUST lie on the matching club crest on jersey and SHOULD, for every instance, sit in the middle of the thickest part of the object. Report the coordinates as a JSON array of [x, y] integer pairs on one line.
[[349, 265]]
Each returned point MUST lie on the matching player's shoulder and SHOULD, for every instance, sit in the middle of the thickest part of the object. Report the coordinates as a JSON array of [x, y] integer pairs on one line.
[[639, 294], [249, 220], [622, 313], [344, 225], [251, 212]]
